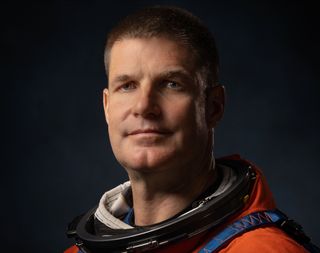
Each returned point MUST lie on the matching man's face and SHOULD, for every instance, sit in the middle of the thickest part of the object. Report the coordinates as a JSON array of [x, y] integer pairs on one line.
[[154, 107]]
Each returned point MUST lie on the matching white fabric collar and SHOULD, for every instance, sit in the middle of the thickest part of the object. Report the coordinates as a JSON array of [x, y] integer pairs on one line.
[[113, 203]]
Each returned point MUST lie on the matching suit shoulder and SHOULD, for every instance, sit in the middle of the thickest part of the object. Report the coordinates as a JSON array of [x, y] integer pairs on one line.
[[264, 240]]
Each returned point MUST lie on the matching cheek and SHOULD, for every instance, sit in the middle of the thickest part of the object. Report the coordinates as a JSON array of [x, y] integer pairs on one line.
[[117, 111], [178, 108], [115, 138], [187, 115], [115, 131]]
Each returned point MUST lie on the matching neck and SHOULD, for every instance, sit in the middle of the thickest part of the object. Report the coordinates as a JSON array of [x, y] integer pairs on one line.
[[160, 196]]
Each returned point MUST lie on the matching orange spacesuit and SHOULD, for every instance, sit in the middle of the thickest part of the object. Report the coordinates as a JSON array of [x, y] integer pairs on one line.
[[263, 239]]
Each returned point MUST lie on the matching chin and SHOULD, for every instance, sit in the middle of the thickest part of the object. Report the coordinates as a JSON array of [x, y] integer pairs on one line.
[[144, 165], [147, 161]]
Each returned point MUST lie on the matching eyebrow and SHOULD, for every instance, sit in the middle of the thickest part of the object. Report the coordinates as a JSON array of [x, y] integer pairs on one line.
[[168, 74], [120, 79], [182, 73]]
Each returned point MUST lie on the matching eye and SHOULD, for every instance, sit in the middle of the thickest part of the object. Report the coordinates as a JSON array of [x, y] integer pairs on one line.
[[128, 86], [173, 85]]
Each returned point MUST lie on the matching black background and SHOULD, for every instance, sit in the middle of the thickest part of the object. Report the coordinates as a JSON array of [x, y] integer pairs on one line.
[[57, 160]]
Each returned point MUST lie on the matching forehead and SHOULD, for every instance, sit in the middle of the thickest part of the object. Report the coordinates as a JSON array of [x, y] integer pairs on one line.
[[148, 55]]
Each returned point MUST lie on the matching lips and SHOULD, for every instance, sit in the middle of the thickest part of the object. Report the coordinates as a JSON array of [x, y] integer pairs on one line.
[[148, 131]]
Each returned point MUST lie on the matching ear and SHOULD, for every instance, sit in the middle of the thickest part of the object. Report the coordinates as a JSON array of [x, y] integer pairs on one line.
[[105, 104], [215, 105]]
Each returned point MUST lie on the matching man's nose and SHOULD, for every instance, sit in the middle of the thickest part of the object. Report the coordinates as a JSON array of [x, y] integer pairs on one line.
[[147, 104]]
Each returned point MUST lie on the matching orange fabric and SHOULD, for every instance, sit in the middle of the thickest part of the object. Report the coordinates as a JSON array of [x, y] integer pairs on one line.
[[262, 240], [72, 249]]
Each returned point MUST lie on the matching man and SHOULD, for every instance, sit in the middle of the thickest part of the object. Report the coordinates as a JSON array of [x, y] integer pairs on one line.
[[162, 104]]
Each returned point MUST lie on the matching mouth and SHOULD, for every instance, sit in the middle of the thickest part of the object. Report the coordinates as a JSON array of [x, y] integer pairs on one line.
[[149, 132]]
